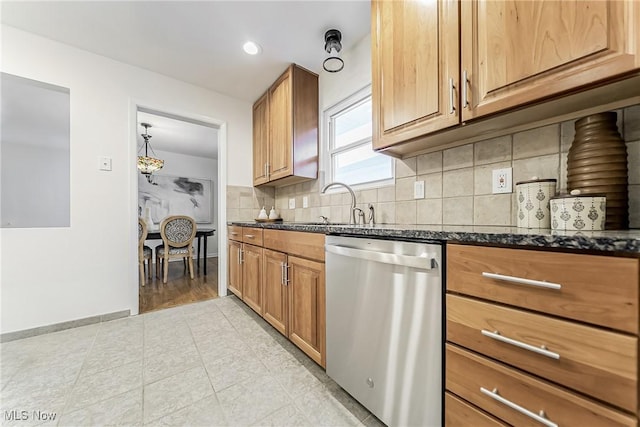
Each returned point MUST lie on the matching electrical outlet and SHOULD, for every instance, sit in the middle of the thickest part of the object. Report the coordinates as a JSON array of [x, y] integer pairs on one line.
[[501, 181], [418, 190], [305, 201], [292, 203]]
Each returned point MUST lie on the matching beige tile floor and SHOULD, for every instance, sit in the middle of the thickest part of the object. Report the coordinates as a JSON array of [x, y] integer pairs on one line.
[[213, 363]]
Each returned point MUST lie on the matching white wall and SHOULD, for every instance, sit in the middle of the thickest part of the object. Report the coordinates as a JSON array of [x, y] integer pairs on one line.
[[51, 275], [195, 167], [334, 87]]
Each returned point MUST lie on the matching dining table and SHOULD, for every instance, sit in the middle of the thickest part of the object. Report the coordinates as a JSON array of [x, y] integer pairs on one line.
[[200, 234]]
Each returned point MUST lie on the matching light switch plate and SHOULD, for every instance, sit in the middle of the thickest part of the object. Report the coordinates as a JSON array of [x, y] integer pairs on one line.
[[305, 201], [105, 163], [292, 203], [418, 190], [501, 181]]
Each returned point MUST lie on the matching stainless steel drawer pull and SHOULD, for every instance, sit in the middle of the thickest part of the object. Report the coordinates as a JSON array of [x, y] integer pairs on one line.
[[286, 275], [539, 418], [521, 281], [250, 236], [233, 233], [452, 87], [540, 350], [282, 273], [464, 83]]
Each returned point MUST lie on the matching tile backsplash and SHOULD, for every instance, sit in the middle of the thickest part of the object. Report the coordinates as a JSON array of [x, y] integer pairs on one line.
[[457, 182]]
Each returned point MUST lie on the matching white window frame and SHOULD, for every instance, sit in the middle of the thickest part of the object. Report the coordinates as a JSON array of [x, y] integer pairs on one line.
[[346, 104]]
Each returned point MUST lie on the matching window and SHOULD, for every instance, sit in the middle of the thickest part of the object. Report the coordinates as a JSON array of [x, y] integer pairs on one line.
[[350, 158]]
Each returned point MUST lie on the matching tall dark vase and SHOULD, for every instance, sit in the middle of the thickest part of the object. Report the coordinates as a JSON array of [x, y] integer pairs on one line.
[[597, 164]]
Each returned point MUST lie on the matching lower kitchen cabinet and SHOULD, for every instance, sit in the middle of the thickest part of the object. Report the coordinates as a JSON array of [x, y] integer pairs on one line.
[[462, 414], [245, 265], [284, 282], [275, 302], [307, 307], [252, 277], [234, 267], [541, 338]]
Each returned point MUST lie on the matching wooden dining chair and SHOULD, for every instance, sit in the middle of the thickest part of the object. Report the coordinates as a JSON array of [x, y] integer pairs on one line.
[[144, 252], [177, 232]]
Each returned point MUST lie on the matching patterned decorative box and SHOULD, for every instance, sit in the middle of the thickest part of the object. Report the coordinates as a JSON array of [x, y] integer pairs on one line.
[[533, 202], [577, 212]]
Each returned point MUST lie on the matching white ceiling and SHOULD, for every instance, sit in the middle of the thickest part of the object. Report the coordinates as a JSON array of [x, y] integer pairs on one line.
[[176, 135], [199, 42]]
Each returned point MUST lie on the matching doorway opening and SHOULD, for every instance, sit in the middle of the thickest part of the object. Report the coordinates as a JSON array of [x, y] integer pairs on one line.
[[187, 184]]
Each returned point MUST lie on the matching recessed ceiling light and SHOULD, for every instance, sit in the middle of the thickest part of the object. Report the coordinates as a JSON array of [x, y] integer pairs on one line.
[[251, 48]]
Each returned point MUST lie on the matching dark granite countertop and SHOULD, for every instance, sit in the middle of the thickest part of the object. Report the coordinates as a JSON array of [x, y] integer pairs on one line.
[[624, 241]]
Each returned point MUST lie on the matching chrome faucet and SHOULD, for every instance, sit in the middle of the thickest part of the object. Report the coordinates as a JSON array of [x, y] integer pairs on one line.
[[359, 216], [352, 219]]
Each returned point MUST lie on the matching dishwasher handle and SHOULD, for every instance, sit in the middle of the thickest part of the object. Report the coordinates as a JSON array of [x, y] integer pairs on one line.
[[423, 262]]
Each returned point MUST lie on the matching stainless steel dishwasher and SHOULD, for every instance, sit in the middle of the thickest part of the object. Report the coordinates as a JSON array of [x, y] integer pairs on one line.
[[384, 326]]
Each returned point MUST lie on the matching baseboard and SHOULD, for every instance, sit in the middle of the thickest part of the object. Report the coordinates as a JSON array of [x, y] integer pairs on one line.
[[56, 327]]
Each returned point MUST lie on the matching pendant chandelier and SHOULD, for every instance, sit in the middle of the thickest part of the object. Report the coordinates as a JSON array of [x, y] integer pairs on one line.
[[147, 165]]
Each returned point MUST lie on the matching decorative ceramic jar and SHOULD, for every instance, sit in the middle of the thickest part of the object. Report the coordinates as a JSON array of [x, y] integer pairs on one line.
[[533, 202], [578, 212], [597, 164], [263, 214]]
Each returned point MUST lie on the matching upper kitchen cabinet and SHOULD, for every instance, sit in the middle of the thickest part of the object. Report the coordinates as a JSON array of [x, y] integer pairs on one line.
[[260, 139], [518, 52], [415, 69], [285, 130], [450, 72]]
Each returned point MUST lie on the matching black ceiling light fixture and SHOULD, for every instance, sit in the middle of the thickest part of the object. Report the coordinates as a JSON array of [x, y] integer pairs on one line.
[[333, 63]]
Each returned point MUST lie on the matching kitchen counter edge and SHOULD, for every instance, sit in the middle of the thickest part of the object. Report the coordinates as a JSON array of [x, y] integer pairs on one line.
[[622, 242]]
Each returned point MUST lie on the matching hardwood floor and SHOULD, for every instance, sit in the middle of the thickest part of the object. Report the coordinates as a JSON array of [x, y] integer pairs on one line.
[[179, 289]]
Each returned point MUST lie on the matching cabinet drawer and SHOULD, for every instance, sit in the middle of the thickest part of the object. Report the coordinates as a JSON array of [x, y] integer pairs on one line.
[[252, 236], [587, 357], [467, 374], [600, 290], [234, 232], [305, 245], [460, 414]]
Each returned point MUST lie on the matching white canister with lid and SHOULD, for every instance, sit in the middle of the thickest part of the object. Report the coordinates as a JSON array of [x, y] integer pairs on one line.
[[533, 202], [579, 212]]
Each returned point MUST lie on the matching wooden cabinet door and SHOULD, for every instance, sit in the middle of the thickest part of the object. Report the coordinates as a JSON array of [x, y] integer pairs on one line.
[[467, 372], [280, 137], [260, 140], [415, 66], [234, 267], [458, 413], [307, 307], [582, 351], [252, 276], [518, 52], [274, 291]]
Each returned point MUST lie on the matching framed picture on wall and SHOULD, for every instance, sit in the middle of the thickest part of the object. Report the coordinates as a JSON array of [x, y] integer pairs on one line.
[[175, 195]]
